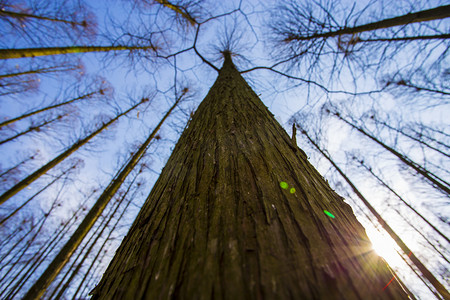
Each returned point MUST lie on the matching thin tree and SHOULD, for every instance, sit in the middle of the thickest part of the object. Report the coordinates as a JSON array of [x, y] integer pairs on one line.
[[35, 128], [48, 166], [238, 212], [108, 237], [423, 269], [384, 184], [107, 219], [42, 51], [63, 256], [437, 13], [64, 67], [403, 132], [433, 179], [47, 108], [65, 173]]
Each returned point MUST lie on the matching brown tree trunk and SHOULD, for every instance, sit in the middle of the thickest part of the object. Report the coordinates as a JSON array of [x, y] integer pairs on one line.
[[53, 69], [219, 223], [436, 13], [33, 128], [33, 52]]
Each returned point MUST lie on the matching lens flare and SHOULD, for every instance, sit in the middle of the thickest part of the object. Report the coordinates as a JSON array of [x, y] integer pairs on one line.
[[328, 214]]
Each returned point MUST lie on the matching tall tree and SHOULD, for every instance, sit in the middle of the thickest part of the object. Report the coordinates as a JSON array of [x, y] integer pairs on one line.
[[238, 212], [63, 256], [439, 183], [55, 161], [407, 251]]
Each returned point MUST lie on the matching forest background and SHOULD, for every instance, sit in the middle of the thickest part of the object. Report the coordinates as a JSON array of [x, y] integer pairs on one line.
[[343, 95]]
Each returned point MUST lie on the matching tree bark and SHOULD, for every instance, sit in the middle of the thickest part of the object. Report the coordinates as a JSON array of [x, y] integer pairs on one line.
[[219, 225]]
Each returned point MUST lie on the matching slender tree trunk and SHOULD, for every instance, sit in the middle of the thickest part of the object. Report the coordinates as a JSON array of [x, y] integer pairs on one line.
[[83, 97], [405, 38], [63, 256], [22, 16], [221, 222], [3, 220], [414, 129], [60, 68], [424, 270], [419, 231], [94, 274], [381, 181], [32, 128], [102, 227], [95, 259], [44, 169], [437, 13], [16, 166], [434, 180], [33, 52], [402, 132]]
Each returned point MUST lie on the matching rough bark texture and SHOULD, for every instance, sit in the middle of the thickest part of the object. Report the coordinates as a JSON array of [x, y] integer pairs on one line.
[[218, 225]]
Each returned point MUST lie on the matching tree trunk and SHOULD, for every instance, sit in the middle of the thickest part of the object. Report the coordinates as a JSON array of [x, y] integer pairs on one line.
[[53, 69], [221, 223], [23, 16], [179, 9], [33, 52], [402, 132], [33, 128], [82, 97], [436, 13], [381, 181]]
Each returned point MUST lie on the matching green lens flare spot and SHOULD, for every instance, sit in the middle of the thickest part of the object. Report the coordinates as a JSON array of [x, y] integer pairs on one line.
[[328, 214], [292, 190], [284, 185]]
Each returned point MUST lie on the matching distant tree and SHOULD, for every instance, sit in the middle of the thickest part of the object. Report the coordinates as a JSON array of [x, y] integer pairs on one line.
[[442, 291], [38, 289], [55, 161], [434, 179]]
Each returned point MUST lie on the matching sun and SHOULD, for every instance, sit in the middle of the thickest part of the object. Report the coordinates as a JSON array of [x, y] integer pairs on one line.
[[384, 246]]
